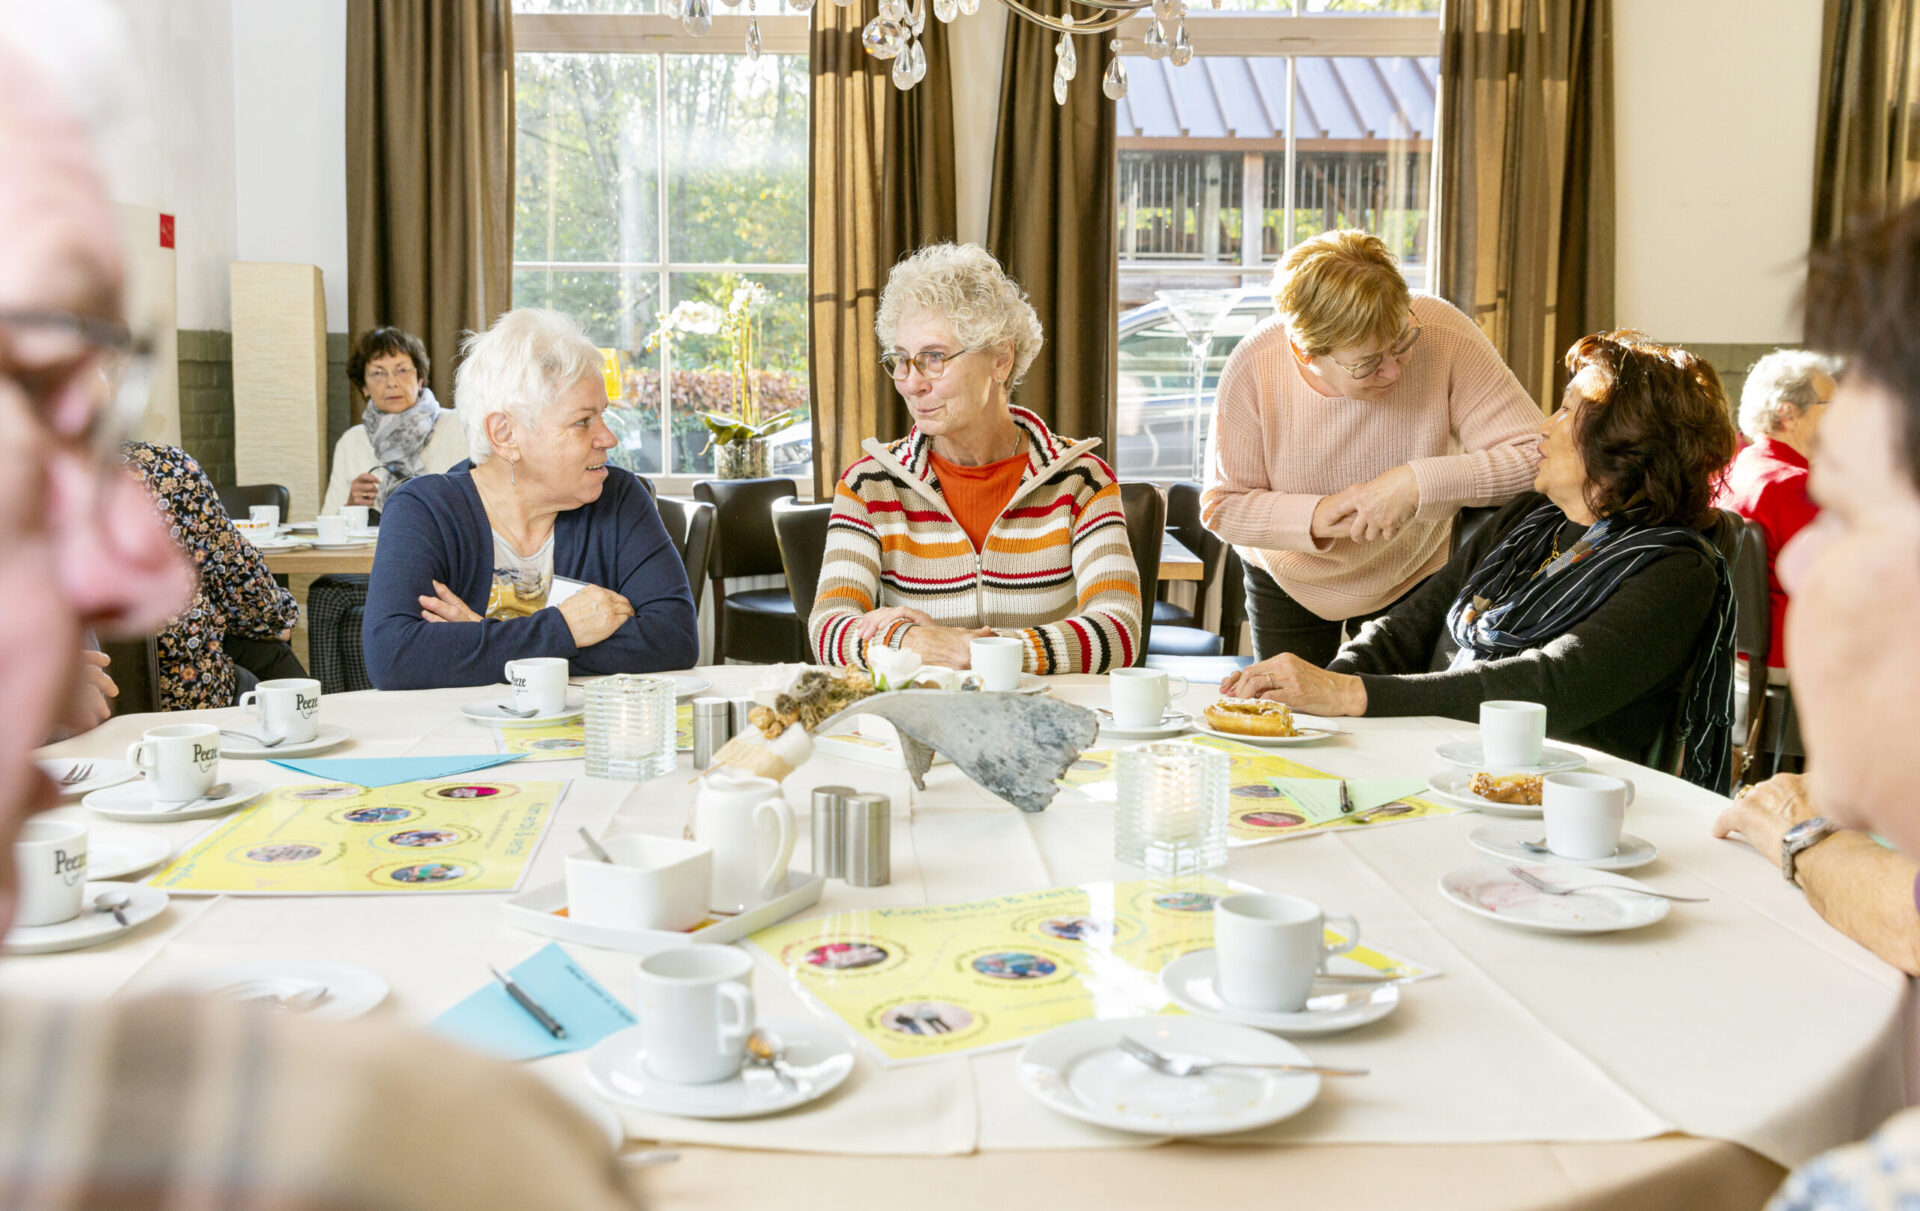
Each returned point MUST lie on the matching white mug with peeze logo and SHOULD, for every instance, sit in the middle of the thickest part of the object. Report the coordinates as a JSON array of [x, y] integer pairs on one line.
[[179, 761], [286, 708], [50, 864], [539, 684]]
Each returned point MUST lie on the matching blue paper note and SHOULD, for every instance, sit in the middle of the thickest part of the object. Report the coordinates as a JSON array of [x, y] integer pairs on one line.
[[1319, 798], [493, 1022], [386, 771]]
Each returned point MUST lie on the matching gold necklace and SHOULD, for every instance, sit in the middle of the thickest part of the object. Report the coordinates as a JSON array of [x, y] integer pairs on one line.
[[1556, 554]]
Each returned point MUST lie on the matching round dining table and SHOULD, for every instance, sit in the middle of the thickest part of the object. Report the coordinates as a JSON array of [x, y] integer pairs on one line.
[[1686, 1064]]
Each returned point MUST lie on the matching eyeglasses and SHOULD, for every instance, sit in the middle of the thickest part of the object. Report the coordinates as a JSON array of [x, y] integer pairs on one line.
[[123, 362], [931, 363], [399, 374], [1370, 366]]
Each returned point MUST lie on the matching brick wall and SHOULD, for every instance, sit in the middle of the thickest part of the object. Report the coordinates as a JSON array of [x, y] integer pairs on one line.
[[206, 398]]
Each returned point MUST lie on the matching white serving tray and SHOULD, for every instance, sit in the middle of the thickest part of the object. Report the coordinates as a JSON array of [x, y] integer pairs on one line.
[[537, 911]]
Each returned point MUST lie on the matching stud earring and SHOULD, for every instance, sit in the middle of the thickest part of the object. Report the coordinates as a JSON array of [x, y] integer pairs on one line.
[[513, 472]]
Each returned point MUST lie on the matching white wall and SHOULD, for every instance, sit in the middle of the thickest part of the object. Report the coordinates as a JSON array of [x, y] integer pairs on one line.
[[289, 123], [1715, 104]]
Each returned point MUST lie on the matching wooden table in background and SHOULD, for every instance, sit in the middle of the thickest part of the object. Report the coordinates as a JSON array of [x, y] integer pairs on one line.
[[314, 563], [1176, 562]]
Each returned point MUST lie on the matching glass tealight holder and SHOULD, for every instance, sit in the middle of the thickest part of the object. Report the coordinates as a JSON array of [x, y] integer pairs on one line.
[[629, 722], [1172, 812]]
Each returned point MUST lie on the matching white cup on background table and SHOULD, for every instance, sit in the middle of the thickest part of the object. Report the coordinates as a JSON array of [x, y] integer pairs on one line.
[[330, 528], [356, 516], [266, 514], [997, 658], [1512, 734], [1271, 947], [285, 708], [50, 868], [539, 683], [696, 1011], [1584, 813], [1140, 697], [179, 760]]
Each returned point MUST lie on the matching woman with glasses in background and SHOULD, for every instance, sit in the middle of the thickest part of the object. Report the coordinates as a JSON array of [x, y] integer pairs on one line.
[[404, 431], [980, 521], [1348, 430]]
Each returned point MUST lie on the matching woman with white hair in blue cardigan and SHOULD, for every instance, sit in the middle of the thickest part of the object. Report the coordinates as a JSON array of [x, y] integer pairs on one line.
[[468, 561]]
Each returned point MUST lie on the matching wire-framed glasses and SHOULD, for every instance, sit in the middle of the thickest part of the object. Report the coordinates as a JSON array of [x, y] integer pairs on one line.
[[931, 363], [1369, 366]]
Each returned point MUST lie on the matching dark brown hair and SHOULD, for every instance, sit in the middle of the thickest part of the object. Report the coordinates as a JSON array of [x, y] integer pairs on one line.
[[1656, 436], [376, 343], [1863, 302]]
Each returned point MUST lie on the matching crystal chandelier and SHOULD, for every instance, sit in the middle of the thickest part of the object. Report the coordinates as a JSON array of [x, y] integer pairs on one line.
[[895, 33]]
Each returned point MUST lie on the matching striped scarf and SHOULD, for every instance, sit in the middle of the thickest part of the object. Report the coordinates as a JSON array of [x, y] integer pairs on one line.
[[1516, 600]]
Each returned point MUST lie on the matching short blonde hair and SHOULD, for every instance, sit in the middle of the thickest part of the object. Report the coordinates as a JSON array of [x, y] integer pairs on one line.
[[528, 359], [964, 285], [1338, 289]]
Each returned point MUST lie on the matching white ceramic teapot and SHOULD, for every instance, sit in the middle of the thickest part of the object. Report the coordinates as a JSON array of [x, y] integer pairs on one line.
[[749, 826]]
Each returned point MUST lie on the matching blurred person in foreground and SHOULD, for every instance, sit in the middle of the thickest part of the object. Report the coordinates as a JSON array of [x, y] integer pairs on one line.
[[173, 1101]]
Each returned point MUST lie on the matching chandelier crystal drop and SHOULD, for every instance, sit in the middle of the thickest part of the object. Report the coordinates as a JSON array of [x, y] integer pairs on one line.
[[1069, 63], [884, 37], [945, 11], [1182, 53], [753, 40], [1114, 83], [698, 19], [1156, 40], [969, 7]]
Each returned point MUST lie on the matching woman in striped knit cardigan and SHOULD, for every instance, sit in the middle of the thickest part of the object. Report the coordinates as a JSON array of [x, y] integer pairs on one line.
[[980, 521]]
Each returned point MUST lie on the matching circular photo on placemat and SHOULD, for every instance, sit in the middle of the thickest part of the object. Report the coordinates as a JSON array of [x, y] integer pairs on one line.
[[391, 813], [285, 853], [408, 840], [1267, 819], [324, 794], [848, 957], [931, 1020], [473, 792], [1005, 965], [426, 874]]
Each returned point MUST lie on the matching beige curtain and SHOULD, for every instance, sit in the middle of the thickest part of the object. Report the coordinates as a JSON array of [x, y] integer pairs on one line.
[[881, 184], [429, 170], [1526, 218], [1867, 162], [1052, 225]]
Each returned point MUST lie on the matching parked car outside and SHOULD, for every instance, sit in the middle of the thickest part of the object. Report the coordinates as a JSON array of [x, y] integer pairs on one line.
[[1158, 435]]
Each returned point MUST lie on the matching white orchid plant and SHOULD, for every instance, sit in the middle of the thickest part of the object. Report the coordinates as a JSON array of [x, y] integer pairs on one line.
[[689, 318]]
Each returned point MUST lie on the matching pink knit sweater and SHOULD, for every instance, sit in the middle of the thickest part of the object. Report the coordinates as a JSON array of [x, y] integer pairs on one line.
[[1457, 416]]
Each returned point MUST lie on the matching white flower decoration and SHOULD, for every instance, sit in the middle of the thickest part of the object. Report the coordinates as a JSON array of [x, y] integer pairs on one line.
[[893, 668]]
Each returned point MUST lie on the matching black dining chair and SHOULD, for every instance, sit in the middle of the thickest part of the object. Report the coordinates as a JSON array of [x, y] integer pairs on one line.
[[689, 524], [754, 625], [801, 531], [1752, 633], [1727, 534], [1178, 631], [238, 501], [1146, 512]]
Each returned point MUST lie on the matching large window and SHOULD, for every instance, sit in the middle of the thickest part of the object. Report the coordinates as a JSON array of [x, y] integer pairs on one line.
[[651, 178], [1295, 117]]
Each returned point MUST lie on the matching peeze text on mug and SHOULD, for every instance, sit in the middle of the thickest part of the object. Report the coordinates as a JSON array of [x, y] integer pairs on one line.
[[205, 755], [70, 868]]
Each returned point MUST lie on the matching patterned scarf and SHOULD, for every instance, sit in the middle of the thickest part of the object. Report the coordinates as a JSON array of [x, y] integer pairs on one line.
[[1521, 596], [399, 437]]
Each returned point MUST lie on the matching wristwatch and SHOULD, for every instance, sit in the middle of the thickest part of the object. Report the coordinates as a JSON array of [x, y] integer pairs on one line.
[[1802, 837]]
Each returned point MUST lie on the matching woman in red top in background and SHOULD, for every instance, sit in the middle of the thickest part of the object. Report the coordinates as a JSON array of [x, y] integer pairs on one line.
[[1785, 396]]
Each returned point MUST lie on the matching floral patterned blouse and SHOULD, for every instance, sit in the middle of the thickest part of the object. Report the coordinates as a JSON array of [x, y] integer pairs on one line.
[[1877, 1174], [237, 596]]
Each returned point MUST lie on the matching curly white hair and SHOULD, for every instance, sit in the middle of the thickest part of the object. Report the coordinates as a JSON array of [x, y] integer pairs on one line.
[[1785, 376], [964, 285], [528, 359]]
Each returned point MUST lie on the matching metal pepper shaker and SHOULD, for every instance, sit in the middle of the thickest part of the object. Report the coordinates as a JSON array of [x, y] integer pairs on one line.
[[869, 847], [742, 707], [829, 822], [712, 727]]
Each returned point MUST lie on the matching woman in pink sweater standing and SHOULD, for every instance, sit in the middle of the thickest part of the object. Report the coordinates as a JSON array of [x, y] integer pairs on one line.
[[1348, 431]]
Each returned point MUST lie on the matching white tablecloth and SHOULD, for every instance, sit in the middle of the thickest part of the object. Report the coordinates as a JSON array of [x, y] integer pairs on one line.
[[1745, 1019]]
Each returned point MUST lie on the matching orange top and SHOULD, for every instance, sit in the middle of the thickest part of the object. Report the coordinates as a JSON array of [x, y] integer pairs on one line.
[[978, 495]]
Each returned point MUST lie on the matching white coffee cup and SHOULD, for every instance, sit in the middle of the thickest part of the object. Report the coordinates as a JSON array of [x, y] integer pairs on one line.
[[696, 1011], [652, 883], [330, 528], [539, 683], [180, 760], [997, 658], [1141, 696], [1270, 947], [1511, 734], [255, 532], [356, 516], [750, 827], [286, 708], [50, 867], [269, 514], [1584, 813]]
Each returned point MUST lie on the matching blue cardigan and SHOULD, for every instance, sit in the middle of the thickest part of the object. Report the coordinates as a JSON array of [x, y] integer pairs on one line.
[[435, 528]]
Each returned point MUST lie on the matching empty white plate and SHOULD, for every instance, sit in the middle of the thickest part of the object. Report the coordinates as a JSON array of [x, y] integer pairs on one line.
[[494, 710], [685, 685], [114, 853], [1467, 754], [1490, 890], [101, 773], [1506, 841], [1190, 981], [1450, 786], [134, 803], [1171, 724], [817, 1060], [1079, 1070], [240, 743], [352, 988], [92, 926], [1303, 734]]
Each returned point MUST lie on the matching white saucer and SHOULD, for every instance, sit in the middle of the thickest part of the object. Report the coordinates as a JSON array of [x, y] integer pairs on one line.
[[1079, 1070], [1189, 980], [352, 988], [1503, 841], [490, 712], [1468, 755], [134, 802], [90, 927], [329, 735], [1488, 890], [352, 545], [1171, 724], [106, 772], [1304, 735], [287, 543], [363, 534], [1031, 683], [817, 1060], [685, 685], [114, 853], [1450, 786], [300, 527]]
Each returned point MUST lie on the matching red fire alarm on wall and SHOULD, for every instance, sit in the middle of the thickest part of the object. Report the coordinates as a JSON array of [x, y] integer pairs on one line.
[[166, 231]]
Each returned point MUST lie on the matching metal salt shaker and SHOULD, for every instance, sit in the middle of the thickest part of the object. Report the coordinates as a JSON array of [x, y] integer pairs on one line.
[[712, 728], [741, 708], [869, 847], [830, 830]]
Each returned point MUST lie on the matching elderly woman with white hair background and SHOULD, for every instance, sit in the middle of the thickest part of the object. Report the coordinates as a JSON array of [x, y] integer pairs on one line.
[[471, 562], [980, 520]]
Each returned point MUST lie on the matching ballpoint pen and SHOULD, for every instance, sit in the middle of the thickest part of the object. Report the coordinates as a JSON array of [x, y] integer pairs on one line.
[[527, 1003], [1346, 800]]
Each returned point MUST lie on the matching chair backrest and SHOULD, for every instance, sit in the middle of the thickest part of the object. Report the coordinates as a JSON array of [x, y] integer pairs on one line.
[[1727, 533], [1146, 513], [238, 500], [1233, 601], [690, 525], [744, 544], [801, 531], [1183, 518], [1467, 523], [1753, 603]]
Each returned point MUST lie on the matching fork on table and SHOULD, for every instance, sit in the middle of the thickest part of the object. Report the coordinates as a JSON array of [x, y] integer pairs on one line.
[[79, 773], [1539, 884]]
